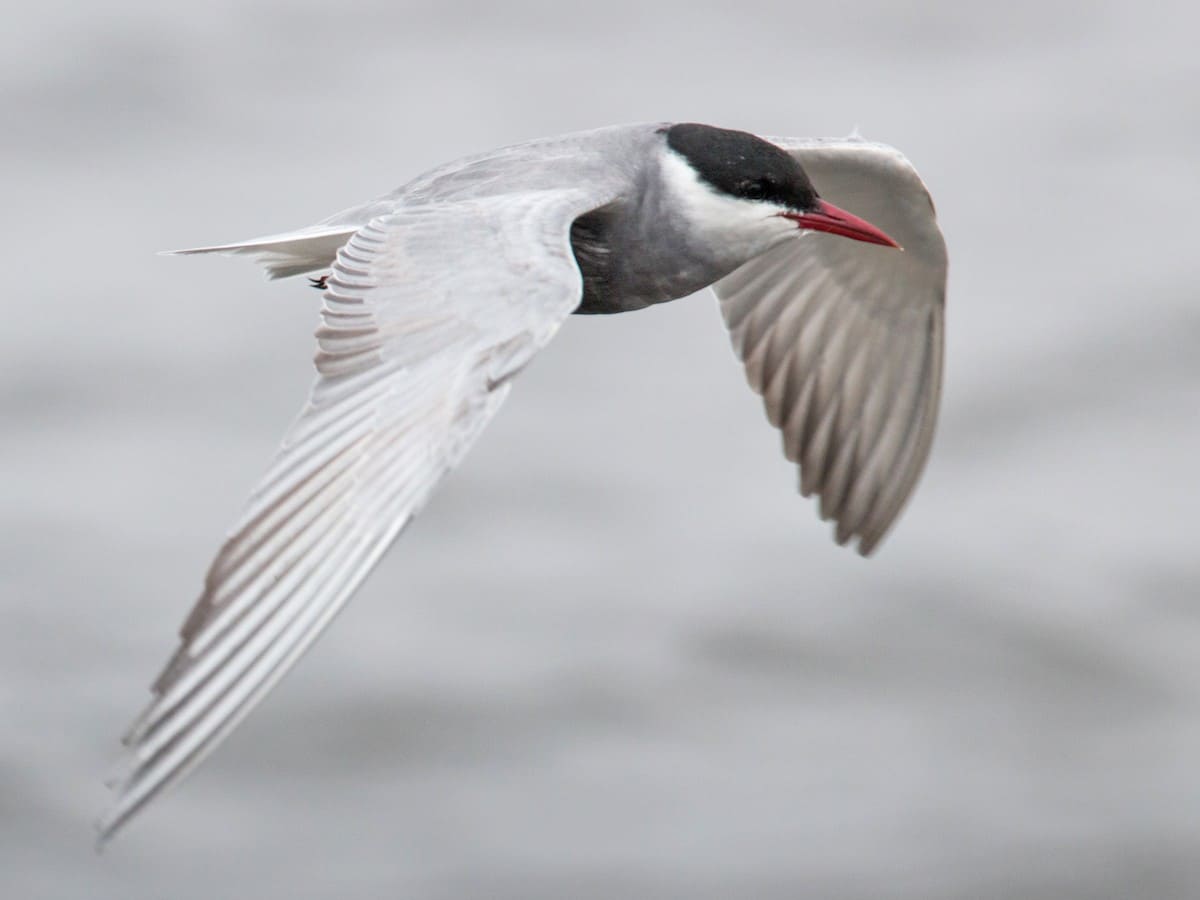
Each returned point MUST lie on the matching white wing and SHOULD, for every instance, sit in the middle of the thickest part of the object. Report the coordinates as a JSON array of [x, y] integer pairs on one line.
[[843, 339], [428, 314]]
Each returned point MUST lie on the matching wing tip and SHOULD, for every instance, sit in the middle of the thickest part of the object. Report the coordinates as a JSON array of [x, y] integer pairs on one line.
[[108, 824], [867, 545], [103, 833], [113, 821]]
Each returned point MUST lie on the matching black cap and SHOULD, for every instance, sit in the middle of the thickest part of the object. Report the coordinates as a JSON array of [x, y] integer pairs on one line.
[[743, 165]]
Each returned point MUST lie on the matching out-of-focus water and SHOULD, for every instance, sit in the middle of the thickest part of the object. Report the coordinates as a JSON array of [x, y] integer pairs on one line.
[[617, 657]]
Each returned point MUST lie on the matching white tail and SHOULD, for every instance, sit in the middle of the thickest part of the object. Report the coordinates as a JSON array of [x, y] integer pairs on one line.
[[283, 255]]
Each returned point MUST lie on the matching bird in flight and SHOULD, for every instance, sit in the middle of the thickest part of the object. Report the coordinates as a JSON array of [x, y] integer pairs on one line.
[[437, 295]]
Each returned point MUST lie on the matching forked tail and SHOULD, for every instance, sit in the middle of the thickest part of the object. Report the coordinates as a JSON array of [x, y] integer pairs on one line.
[[284, 255]]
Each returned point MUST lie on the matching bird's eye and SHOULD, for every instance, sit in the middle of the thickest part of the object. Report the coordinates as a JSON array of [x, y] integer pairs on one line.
[[755, 190]]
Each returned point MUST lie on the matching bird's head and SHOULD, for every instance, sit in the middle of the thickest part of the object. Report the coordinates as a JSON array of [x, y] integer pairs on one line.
[[736, 188]]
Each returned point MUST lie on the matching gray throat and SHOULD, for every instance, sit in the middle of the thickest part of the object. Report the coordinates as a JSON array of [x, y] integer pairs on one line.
[[634, 255]]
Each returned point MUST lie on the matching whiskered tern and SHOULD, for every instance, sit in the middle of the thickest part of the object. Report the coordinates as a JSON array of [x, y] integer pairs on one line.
[[439, 293]]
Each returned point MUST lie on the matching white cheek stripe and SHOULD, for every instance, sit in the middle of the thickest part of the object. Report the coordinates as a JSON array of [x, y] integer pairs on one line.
[[744, 227]]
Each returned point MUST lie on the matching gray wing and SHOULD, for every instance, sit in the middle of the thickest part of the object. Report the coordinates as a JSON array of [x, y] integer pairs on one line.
[[843, 339], [428, 314]]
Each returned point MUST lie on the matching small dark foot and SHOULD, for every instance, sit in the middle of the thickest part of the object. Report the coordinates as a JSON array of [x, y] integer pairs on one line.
[[319, 283]]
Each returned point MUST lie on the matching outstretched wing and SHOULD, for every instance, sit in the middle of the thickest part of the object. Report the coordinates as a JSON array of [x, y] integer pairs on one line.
[[429, 312], [843, 339]]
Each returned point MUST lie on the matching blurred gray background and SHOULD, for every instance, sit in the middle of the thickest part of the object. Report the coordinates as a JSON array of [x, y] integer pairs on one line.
[[618, 656]]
